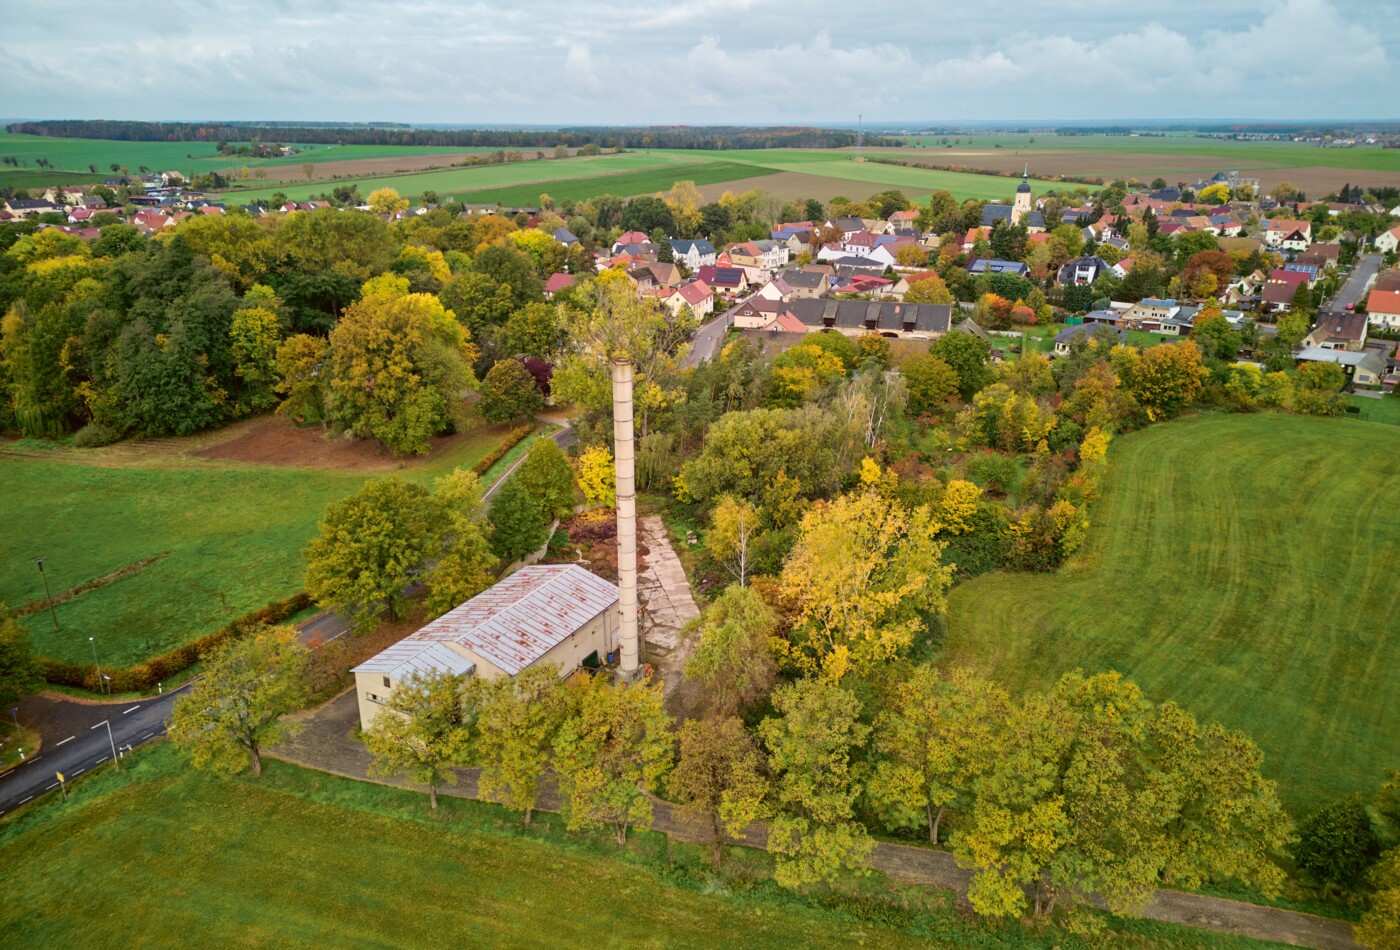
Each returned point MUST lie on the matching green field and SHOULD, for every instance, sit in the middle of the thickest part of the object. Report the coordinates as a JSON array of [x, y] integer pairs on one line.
[[1385, 410], [234, 533], [1232, 154], [1243, 566], [645, 182], [161, 855]]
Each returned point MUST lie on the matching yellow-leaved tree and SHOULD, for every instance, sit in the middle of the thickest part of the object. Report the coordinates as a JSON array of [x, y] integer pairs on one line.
[[861, 576], [386, 201]]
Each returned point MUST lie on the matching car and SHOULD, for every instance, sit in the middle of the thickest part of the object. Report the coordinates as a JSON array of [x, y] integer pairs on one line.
[[1351, 306]]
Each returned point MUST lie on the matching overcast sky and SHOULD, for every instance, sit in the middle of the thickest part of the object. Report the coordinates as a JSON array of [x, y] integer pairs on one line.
[[699, 61]]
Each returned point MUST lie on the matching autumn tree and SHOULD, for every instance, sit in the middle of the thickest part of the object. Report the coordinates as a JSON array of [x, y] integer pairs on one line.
[[1317, 389], [235, 709], [396, 360], [508, 392], [1379, 927], [719, 778], [862, 574], [614, 749], [546, 474], [596, 476], [930, 381], [465, 564], [810, 743], [518, 719], [969, 356], [255, 335], [386, 201], [423, 731], [1164, 379], [734, 526], [935, 739], [298, 365], [734, 659]]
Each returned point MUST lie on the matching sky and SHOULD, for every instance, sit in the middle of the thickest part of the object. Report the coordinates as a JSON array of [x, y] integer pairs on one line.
[[698, 62]]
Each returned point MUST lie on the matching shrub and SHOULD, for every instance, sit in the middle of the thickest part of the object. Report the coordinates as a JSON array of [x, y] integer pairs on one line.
[[994, 473], [512, 439], [1336, 844], [94, 435]]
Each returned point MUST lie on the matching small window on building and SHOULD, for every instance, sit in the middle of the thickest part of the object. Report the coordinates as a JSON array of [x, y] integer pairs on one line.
[[387, 684]]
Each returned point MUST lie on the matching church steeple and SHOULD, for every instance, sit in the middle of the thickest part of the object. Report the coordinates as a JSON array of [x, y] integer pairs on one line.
[[1022, 206]]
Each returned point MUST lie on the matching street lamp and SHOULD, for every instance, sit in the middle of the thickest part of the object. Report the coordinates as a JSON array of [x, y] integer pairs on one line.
[[39, 562], [116, 760], [95, 664]]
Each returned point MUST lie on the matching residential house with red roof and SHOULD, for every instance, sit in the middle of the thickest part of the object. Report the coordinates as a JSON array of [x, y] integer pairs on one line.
[[1383, 308]]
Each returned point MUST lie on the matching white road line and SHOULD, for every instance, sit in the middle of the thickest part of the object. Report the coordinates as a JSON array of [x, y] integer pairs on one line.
[[80, 771], [69, 739], [132, 709], [8, 774], [147, 735], [100, 761], [51, 787], [36, 758], [27, 799]]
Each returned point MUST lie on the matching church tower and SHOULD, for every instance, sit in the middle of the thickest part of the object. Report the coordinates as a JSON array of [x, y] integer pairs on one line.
[[1022, 207]]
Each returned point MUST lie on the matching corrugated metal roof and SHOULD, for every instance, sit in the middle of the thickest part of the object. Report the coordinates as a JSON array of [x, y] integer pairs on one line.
[[409, 656], [525, 616]]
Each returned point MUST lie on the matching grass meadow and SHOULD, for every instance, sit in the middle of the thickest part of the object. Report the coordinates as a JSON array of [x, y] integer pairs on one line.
[[160, 852], [229, 537], [625, 185], [1243, 566]]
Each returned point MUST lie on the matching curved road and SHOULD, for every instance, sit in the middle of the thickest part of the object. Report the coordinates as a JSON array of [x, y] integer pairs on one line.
[[76, 740]]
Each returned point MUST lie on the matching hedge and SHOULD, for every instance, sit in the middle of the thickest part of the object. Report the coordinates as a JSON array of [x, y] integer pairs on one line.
[[144, 676], [495, 455]]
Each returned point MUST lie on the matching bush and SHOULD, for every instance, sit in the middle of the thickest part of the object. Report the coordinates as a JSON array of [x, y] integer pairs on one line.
[[143, 676], [94, 435], [1336, 844], [994, 473], [495, 455]]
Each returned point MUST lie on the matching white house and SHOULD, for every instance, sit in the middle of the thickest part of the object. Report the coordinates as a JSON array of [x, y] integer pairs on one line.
[[1287, 233], [559, 614], [1383, 308], [694, 254], [1389, 241]]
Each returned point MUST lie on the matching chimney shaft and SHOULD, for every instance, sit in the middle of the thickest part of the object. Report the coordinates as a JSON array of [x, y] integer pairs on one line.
[[626, 518]]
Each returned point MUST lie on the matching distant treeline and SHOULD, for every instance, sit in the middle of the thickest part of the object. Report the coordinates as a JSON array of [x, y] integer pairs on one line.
[[708, 137]]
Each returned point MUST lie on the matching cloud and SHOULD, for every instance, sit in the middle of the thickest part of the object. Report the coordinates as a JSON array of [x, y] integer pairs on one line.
[[701, 61]]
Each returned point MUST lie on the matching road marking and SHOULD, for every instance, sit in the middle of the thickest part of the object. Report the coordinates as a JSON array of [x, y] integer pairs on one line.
[[8, 774], [79, 772], [25, 800], [132, 709], [147, 735], [69, 739], [100, 761], [51, 787], [36, 758]]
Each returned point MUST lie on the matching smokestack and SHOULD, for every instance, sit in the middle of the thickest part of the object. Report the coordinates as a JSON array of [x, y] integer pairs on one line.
[[626, 518]]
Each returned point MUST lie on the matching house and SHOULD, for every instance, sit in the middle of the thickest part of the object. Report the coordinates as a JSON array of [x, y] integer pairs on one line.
[[1151, 309], [725, 280], [1362, 368], [1083, 270], [807, 283], [662, 273], [900, 220], [1279, 289], [556, 283], [564, 236], [28, 207], [1287, 233], [993, 266], [1389, 241], [1124, 266], [1066, 338], [848, 226], [757, 313], [972, 327], [628, 238], [556, 614], [916, 321], [1322, 256], [1383, 308], [1338, 331], [694, 294], [694, 254], [759, 259]]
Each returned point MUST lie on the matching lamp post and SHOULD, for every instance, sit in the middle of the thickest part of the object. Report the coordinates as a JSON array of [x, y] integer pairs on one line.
[[39, 562], [116, 760], [95, 664]]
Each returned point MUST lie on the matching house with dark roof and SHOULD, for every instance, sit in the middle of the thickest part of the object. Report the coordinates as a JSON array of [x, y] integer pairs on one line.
[[564, 236], [991, 265], [726, 280], [1098, 334], [1082, 270], [557, 615], [1338, 331], [1278, 291], [918, 321], [28, 207], [694, 254], [1364, 368], [806, 284]]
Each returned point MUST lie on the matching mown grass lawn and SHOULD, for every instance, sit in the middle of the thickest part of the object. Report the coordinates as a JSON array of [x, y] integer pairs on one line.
[[1243, 566], [643, 182], [234, 533], [1385, 410], [159, 855]]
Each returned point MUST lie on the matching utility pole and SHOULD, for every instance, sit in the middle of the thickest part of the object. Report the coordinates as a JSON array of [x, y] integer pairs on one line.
[[39, 561], [860, 135], [116, 760], [95, 664]]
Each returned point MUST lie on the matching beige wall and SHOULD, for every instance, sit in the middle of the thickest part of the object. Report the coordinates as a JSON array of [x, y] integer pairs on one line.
[[599, 634]]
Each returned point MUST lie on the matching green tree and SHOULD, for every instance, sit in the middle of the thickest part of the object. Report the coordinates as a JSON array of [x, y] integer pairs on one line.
[[734, 660], [518, 524], [1317, 389], [719, 778], [519, 718], [235, 710], [811, 743], [936, 738], [734, 527], [423, 731], [548, 477], [508, 391], [969, 356], [370, 547], [1337, 843], [930, 382], [613, 750], [298, 364], [534, 330], [1379, 928], [255, 335], [19, 673], [1220, 340], [466, 565]]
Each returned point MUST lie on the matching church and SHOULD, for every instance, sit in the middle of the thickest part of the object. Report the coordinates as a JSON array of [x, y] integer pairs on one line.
[[1018, 212]]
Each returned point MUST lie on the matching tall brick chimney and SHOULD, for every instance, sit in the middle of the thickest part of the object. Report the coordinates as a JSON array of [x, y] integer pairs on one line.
[[625, 456]]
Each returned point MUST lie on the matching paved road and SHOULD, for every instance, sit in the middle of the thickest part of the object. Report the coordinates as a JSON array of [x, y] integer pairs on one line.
[[707, 340], [75, 739], [1362, 273]]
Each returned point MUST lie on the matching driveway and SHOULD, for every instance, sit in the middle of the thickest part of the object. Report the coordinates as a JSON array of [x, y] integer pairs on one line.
[[1363, 272]]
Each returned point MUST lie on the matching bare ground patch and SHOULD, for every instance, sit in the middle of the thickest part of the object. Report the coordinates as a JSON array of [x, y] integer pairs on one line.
[[272, 440]]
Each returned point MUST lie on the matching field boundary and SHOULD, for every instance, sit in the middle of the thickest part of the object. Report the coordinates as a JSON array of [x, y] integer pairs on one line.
[[34, 606]]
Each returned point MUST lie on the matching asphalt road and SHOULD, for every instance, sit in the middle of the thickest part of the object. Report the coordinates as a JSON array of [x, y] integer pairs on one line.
[[707, 340], [75, 740], [1362, 273]]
